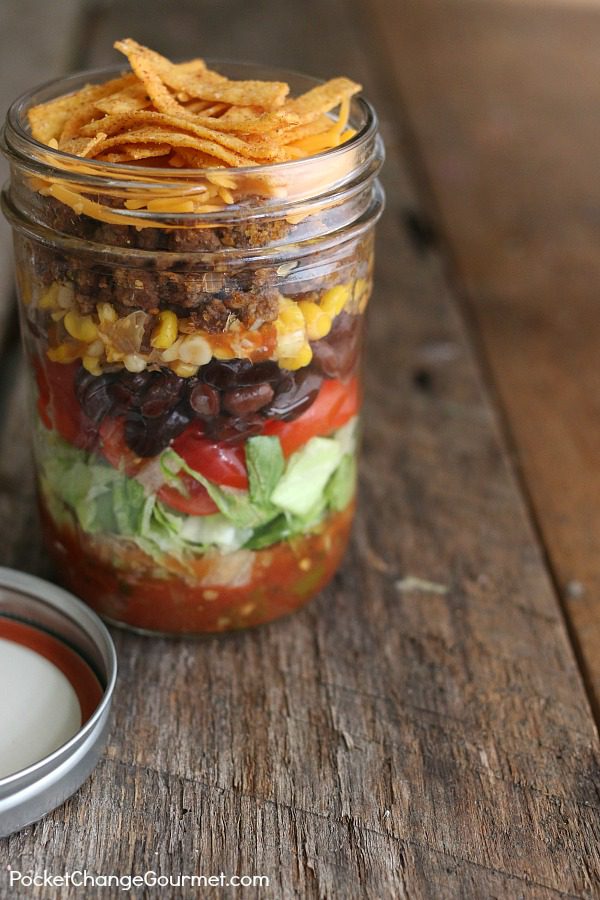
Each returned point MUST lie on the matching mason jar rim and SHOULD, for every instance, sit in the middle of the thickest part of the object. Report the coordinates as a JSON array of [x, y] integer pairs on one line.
[[18, 143]]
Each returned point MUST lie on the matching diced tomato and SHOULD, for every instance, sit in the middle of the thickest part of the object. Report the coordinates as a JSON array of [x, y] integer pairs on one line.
[[43, 391], [58, 405], [115, 450], [217, 462], [335, 405], [225, 465], [197, 502]]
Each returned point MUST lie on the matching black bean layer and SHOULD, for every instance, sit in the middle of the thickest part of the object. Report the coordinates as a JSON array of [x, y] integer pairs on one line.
[[232, 398]]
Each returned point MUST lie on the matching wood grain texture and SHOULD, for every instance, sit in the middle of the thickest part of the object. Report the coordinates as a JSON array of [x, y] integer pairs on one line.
[[504, 102], [393, 739]]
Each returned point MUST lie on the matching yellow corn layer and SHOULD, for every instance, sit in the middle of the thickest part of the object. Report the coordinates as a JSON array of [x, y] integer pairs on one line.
[[334, 300], [48, 298], [95, 340], [91, 364], [82, 328], [301, 359], [165, 333], [317, 321]]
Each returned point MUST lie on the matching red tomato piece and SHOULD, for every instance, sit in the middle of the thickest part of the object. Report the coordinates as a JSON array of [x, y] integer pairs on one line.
[[58, 405], [43, 391], [197, 502], [115, 450], [335, 405], [217, 462]]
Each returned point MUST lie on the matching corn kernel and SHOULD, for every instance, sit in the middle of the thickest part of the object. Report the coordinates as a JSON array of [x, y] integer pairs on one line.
[[334, 300], [65, 296], [57, 315], [64, 353], [48, 298], [96, 348], [91, 364], [301, 359], [318, 323], [134, 362], [82, 328], [165, 332], [290, 315], [184, 370], [289, 345], [172, 353], [106, 313], [195, 350]]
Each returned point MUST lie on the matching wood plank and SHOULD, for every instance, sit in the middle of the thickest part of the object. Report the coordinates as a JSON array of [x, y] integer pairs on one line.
[[504, 100], [394, 739]]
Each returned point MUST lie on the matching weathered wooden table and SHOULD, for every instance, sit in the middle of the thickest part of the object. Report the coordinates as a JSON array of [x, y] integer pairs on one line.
[[426, 727]]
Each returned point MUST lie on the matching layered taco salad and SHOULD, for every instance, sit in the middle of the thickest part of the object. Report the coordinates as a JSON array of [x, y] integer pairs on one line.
[[195, 343]]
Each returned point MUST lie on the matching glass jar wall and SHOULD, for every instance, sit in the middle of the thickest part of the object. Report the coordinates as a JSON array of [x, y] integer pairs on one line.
[[194, 347]]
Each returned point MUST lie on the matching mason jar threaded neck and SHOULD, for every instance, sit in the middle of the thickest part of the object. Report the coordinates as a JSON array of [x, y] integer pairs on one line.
[[323, 198]]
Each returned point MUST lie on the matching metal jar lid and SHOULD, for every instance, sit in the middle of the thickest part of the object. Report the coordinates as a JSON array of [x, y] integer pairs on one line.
[[49, 635]]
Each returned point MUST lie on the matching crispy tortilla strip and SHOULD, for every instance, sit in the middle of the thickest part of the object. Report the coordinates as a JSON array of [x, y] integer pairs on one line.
[[152, 135], [323, 98], [72, 127], [308, 129], [236, 119], [206, 109], [253, 120], [83, 146], [187, 116], [129, 100], [197, 159], [268, 94], [201, 106], [325, 140], [195, 66], [133, 152], [146, 64], [166, 125], [47, 120]]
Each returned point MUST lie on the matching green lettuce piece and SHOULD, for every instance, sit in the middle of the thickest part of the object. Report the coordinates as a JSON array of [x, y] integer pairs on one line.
[[342, 484], [235, 505], [306, 474], [347, 436], [283, 500], [278, 529], [265, 464], [216, 531]]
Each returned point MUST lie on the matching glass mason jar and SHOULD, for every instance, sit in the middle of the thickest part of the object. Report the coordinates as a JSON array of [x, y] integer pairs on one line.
[[193, 340]]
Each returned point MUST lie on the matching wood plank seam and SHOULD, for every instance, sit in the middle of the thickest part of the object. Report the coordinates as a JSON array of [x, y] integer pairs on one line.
[[543, 698], [350, 822], [407, 137], [248, 795]]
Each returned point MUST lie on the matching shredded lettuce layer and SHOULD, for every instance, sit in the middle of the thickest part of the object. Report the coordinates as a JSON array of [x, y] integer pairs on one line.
[[284, 497]]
